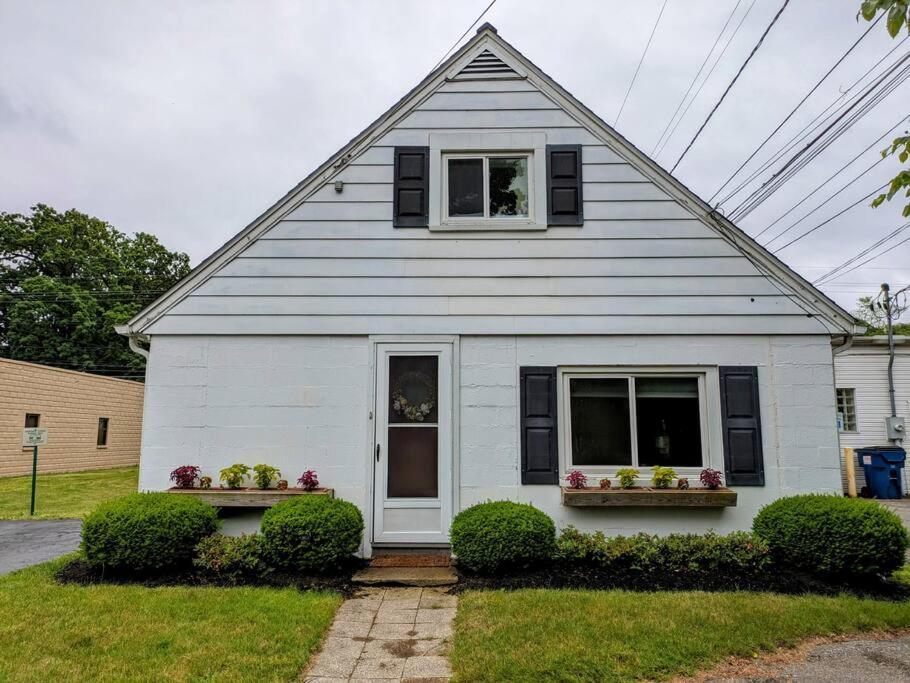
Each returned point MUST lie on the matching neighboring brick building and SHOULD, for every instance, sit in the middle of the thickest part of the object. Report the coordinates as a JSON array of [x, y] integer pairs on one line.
[[93, 421]]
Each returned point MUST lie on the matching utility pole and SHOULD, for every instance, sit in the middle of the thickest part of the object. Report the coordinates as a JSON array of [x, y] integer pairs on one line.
[[889, 307]]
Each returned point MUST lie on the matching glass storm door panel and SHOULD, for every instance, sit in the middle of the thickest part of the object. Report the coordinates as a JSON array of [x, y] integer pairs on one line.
[[413, 451]]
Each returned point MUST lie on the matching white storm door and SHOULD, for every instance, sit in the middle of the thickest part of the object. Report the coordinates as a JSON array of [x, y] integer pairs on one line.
[[412, 452]]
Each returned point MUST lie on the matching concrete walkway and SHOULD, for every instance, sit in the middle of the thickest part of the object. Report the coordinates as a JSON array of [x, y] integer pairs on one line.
[[27, 542], [399, 634]]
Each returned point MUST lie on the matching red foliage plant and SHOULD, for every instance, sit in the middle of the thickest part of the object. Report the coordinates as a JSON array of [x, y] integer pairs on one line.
[[308, 480], [576, 480], [185, 477], [711, 478]]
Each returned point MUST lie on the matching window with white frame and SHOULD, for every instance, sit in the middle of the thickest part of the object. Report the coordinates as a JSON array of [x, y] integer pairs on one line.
[[634, 420], [846, 409], [487, 187]]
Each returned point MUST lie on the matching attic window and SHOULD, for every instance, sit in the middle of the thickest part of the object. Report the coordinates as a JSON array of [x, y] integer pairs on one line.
[[487, 187], [486, 65]]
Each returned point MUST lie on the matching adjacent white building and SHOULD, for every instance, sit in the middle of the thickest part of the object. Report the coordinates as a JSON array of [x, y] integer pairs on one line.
[[863, 404], [488, 288]]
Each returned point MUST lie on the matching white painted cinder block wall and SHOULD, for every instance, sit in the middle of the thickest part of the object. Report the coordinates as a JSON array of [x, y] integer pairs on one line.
[[303, 402]]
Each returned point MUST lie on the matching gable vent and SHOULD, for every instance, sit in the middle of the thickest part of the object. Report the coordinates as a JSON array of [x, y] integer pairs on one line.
[[486, 65]]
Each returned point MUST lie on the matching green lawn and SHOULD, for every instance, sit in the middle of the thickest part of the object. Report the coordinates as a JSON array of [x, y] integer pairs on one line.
[[53, 632], [65, 495], [536, 635]]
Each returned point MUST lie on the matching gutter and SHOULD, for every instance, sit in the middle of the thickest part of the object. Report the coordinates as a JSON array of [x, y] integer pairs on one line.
[[134, 340]]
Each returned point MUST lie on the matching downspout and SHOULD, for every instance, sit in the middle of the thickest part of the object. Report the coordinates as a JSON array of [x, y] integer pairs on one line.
[[134, 346]]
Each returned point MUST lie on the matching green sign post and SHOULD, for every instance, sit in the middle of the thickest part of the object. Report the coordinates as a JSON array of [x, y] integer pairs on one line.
[[34, 437]]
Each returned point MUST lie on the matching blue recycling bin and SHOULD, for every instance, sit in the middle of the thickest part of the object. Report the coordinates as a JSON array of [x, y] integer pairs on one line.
[[882, 466]]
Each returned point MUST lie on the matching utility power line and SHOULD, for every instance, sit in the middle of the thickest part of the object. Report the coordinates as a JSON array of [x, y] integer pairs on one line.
[[839, 270], [877, 92], [697, 74], [828, 220], [825, 182], [816, 123], [732, 83], [794, 110], [480, 16], [707, 78], [640, 62]]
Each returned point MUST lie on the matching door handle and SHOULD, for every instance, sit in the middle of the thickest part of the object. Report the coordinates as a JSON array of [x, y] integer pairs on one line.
[[377, 452]]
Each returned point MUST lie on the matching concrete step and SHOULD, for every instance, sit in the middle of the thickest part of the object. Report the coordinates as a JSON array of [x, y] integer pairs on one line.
[[406, 576]]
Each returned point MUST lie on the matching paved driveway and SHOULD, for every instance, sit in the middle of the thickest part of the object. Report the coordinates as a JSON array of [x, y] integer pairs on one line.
[[26, 542]]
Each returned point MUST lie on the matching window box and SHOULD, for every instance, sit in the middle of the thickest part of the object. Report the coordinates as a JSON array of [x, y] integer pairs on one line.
[[248, 498], [649, 497]]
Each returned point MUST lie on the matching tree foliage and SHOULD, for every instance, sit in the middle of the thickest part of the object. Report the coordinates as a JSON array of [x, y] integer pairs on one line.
[[863, 312], [897, 17], [67, 278]]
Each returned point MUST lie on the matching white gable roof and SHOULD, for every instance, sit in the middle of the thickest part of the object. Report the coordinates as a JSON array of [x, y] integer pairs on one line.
[[487, 56]]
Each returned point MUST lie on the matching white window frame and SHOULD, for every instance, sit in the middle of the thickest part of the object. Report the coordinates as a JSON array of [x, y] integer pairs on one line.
[[707, 426], [485, 158], [473, 144], [837, 406]]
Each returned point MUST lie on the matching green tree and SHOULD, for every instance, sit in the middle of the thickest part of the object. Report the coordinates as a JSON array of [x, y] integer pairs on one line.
[[67, 278], [898, 16]]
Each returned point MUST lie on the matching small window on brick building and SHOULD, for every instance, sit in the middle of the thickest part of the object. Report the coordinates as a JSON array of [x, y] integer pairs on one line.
[[102, 431], [32, 420]]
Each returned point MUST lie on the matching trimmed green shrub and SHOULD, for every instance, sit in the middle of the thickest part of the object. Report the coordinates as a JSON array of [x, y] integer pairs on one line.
[[832, 536], [230, 559], [311, 533], [502, 535], [737, 560], [146, 532]]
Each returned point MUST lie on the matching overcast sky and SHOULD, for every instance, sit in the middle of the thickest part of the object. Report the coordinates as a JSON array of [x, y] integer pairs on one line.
[[188, 119]]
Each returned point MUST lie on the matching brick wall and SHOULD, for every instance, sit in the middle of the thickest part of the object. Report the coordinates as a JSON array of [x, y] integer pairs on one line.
[[70, 404]]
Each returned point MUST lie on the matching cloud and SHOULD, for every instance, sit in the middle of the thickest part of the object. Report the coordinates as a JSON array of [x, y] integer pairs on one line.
[[187, 120]]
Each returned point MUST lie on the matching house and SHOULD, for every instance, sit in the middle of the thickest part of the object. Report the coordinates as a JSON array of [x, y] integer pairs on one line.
[[488, 288], [861, 385], [94, 422]]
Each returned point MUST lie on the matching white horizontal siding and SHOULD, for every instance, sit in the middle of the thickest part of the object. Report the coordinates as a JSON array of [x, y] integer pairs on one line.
[[640, 264], [489, 325], [865, 371]]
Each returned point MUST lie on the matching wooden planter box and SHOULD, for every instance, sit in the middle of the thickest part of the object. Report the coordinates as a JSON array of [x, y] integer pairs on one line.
[[248, 498], [648, 497]]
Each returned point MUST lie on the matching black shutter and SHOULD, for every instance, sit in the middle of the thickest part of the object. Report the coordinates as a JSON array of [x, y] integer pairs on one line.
[[411, 192], [564, 200], [743, 459], [539, 446]]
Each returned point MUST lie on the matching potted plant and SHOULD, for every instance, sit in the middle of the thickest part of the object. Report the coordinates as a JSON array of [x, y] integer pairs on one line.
[[711, 479], [576, 480], [185, 477], [662, 477], [232, 477], [282, 484], [264, 474], [627, 477], [605, 483], [308, 481], [205, 482]]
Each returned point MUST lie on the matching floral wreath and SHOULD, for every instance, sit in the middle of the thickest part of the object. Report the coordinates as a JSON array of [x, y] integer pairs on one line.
[[414, 411]]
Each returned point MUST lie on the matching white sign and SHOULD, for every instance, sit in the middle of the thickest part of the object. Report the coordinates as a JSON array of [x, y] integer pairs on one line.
[[34, 436]]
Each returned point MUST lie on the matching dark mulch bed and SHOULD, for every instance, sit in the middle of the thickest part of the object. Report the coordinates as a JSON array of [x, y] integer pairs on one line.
[[588, 578], [78, 571]]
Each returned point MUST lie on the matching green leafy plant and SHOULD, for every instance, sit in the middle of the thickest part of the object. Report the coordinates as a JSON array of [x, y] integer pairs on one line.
[[146, 532], [627, 477], [232, 477], [230, 559], [264, 474], [737, 560], [502, 535], [833, 537], [662, 477], [311, 533]]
